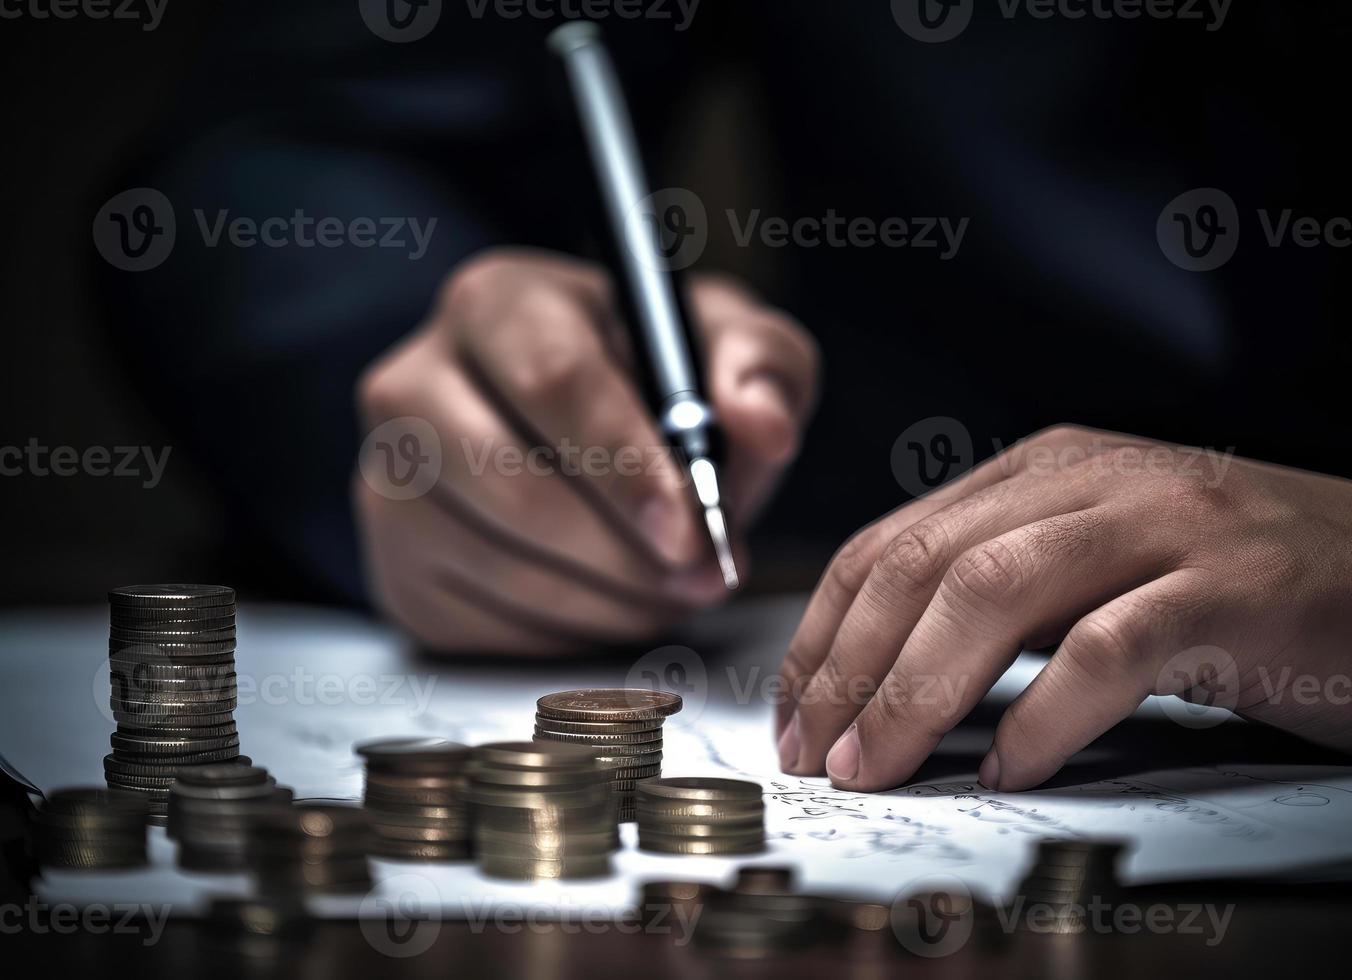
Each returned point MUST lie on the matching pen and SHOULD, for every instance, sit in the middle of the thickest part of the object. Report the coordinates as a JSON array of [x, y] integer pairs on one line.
[[685, 417]]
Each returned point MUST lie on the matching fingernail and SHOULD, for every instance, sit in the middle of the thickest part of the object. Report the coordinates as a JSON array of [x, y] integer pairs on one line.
[[789, 744], [661, 523], [765, 393], [842, 762], [989, 773], [766, 396]]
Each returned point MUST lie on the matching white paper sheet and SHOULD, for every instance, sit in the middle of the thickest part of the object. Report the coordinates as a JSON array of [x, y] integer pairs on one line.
[[322, 681]]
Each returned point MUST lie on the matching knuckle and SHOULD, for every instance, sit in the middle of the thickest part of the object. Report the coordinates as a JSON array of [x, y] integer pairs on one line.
[[1060, 434], [822, 686], [552, 369], [1106, 644], [379, 393], [891, 704], [850, 567], [989, 574], [915, 557], [475, 279]]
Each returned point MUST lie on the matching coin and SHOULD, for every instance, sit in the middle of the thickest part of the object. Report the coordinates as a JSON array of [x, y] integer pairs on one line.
[[391, 850], [608, 704], [558, 726], [436, 755], [524, 868], [217, 651], [125, 742], [701, 788], [152, 615], [122, 634], [142, 708], [697, 813], [665, 844], [96, 802], [558, 778], [172, 595], [532, 755], [170, 627]]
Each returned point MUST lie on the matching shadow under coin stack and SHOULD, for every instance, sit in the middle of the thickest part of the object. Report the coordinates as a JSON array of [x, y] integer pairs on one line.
[[212, 810], [92, 829], [541, 810], [171, 657], [623, 727], [415, 796], [311, 847], [700, 815]]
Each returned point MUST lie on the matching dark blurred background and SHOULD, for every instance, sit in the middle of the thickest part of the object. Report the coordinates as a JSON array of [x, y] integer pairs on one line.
[[1062, 140]]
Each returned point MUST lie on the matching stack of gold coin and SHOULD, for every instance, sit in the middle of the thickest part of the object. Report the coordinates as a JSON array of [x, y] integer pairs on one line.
[[415, 795], [622, 726], [699, 815], [541, 810]]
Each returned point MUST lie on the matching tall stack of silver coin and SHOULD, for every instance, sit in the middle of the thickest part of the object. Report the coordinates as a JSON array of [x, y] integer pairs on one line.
[[415, 795], [541, 810], [171, 658], [700, 815], [622, 726]]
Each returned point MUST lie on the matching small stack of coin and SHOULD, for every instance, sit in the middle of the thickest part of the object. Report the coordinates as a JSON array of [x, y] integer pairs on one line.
[[622, 726], [1067, 877], [755, 925], [541, 810], [212, 810], [319, 847], [699, 815], [92, 829], [171, 655], [415, 796]]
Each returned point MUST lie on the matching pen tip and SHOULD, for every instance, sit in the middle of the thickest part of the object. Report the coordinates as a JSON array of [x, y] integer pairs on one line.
[[718, 531]]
